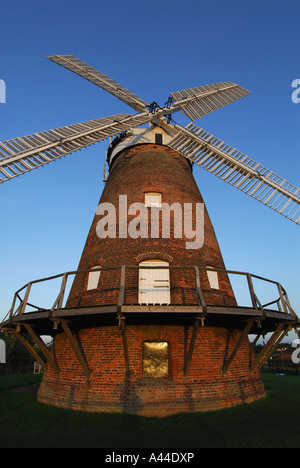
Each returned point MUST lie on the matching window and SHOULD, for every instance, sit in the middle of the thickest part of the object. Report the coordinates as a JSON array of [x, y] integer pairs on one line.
[[213, 278], [158, 139], [93, 279], [155, 359], [153, 199]]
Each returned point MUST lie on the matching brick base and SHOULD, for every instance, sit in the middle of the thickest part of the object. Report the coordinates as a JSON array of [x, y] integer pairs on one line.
[[110, 390]]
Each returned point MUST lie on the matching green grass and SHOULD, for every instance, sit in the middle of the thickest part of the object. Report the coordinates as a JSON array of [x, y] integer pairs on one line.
[[271, 422]]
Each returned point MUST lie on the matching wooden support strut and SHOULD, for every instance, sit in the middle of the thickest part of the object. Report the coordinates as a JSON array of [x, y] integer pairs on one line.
[[256, 339], [122, 326], [27, 346], [42, 347], [192, 344], [277, 342], [198, 319], [121, 318], [269, 347], [237, 347], [75, 347]]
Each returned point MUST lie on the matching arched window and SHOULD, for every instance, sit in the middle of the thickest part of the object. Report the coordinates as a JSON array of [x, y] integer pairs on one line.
[[213, 278], [93, 280], [154, 284]]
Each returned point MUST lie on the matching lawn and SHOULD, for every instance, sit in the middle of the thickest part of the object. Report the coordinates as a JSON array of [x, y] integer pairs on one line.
[[271, 422]]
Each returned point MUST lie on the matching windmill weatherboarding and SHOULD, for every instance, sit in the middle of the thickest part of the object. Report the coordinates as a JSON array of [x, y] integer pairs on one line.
[[174, 303]]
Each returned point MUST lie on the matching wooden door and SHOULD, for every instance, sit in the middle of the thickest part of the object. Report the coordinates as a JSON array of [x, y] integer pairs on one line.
[[154, 284]]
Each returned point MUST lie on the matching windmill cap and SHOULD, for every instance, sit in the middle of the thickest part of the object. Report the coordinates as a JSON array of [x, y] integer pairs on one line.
[[137, 136]]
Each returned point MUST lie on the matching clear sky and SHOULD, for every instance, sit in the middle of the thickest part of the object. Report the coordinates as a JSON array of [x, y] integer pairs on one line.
[[152, 48]]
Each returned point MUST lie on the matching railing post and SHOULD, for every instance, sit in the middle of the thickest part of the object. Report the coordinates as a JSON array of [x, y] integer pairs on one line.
[[59, 300], [122, 287], [282, 298], [254, 298], [13, 306], [251, 289], [201, 300], [291, 310], [62, 290], [25, 300]]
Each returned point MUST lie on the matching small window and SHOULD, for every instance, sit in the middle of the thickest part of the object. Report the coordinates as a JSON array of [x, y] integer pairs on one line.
[[93, 279], [158, 138], [213, 278], [155, 359], [153, 199]]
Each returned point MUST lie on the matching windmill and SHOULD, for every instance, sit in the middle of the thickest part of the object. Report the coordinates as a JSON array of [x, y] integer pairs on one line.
[[186, 338]]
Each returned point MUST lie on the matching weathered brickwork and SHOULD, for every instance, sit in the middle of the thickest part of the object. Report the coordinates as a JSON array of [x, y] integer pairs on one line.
[[110, 390]]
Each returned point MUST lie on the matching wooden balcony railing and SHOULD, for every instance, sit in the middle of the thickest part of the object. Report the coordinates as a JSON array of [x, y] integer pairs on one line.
[[23, 303]]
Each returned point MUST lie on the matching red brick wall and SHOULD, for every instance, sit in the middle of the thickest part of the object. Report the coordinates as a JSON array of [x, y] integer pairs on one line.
[[140, 169], [109, 389]]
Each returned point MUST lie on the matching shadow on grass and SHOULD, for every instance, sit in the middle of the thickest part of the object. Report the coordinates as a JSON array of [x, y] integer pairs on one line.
[[270, 422]]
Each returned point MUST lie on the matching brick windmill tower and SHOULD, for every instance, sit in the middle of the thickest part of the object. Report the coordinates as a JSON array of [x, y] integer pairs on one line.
[[151, 324]]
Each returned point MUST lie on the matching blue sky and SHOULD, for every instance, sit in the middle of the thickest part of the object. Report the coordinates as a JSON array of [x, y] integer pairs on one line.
[[152, 48]]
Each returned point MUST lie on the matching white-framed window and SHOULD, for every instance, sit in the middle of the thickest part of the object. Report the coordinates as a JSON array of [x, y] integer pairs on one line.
[[153, 199], [213, 278], [93, 280], [154, 284]]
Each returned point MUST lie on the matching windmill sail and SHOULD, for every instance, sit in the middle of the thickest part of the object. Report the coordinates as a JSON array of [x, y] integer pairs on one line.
[[91, 74], [200, 101], [24, 154], [237, 169]]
